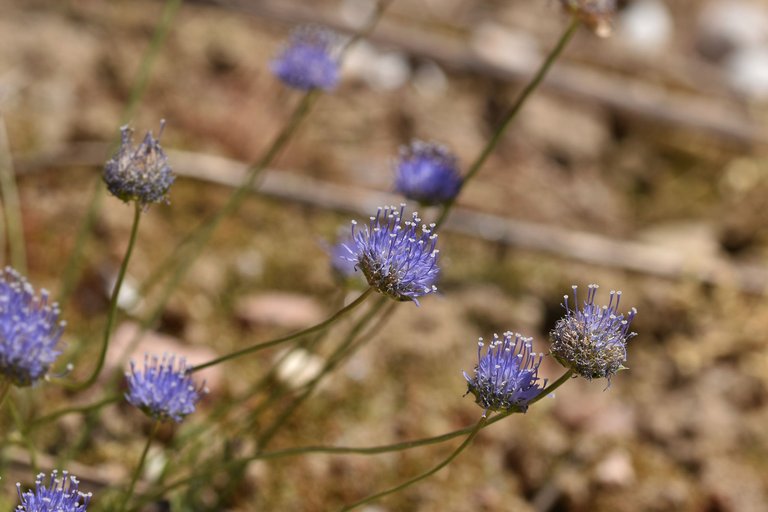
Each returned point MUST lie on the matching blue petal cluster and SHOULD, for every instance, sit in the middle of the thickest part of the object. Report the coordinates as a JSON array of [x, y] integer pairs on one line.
[[61, 496], [308, 61], [164, 391], [507, 375], [140, 173], [396, 258], [592, 340], [29, 330], [427, 172]]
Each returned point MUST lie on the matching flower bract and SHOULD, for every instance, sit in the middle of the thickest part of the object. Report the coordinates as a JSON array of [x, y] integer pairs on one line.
[[141, 173], [428, 173], [397, 258], [592, 340], [29, 330], [309, 61], [163, 390], [507, 374], [62, 495]]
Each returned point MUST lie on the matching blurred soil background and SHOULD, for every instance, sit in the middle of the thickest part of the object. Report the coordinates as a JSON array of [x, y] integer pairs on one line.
[[640, 165]]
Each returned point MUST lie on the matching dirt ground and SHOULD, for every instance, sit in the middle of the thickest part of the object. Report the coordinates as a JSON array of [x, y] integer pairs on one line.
[[646, 146]]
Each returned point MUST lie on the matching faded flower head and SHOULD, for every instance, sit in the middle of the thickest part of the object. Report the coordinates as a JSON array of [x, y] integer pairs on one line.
[[592, 340], [597, 15], [396, 257], [309, 61], [164, 391], [61, 495], [428, 173], [29, 330], [507, 375], [140, 173], [343, 261]]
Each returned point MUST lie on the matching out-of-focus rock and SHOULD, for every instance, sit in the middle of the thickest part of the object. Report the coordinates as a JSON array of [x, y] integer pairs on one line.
[[429, 80], [154, 343], [616, 469], [747, 71], [382, 71], [504, 47], [646, 25], [727, 25], [295, 368], [280, 309]]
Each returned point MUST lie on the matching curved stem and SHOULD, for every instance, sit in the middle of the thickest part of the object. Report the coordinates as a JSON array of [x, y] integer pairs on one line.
[[11, 203], [112, 315], [42, 420], [343, 350], [5, 388], [512, 113], [455, 453], [72, 266], [309, 330], [137, 472]]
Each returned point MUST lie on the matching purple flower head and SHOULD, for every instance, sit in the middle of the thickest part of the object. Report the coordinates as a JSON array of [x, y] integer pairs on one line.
[[592, 340], [507, 375], [428, 173], [140, 173], [396, 257], [61, 496], [309, 61], [29, 330], [163, 390]]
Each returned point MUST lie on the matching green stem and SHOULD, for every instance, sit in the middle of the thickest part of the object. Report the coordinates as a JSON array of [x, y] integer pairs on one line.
[[72, 266], [5, 388], [30, 446], [261, 346], [42, 420], [512, 113], [140, 465], [11, 204], [112, 315], [472, 434], [343, 350]]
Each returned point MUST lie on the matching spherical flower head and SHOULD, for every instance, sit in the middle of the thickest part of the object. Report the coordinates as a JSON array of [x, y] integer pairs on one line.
[[597, 15], [29, 330], [309, 61], [507, 375], [592, 340], [396, 257], [428, 173], [61, 495], [140, 173], [164, 391]]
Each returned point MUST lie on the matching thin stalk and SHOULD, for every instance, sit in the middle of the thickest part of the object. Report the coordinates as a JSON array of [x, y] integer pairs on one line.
[[5, 388], [11, 204], [472, 434], [343, 350], [206, 229], [112, 315], [72, 267], [512, 113], [30, 446], [309, 330], [140, 465], [42, 420]]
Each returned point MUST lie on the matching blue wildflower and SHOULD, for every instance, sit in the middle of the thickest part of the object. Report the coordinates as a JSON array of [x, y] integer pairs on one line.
[[507, 376], [140, 174], [309, 60], [395, 258], [163, 390], [61, 496], [29, 330], [428, 173], [592, 341]]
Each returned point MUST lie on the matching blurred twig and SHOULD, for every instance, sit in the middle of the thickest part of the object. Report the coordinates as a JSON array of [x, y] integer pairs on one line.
[[590, 248], [715, 116]]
